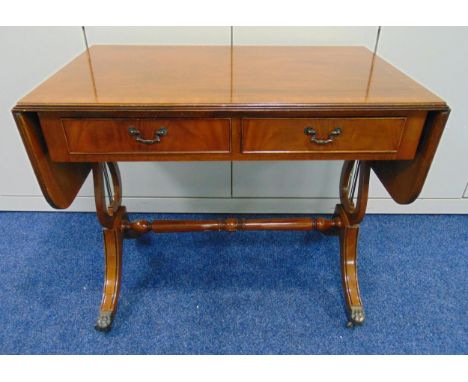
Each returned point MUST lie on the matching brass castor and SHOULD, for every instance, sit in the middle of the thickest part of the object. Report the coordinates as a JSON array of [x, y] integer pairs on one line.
[[104, 322], [356, 317]]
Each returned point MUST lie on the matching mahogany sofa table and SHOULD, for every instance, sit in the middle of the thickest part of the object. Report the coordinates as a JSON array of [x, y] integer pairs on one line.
[[207, 103]]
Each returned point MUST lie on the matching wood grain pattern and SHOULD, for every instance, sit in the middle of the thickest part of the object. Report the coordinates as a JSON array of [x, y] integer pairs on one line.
[[348, 236], [371, 135], [113, 247], [135, 77], [351, 213], [404, 180], [59, 182], [140, 227], [109, 136], [110, 216], [107, 139]]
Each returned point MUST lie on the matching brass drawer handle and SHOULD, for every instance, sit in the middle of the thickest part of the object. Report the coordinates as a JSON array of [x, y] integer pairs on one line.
[[135, 133], [311, 131]]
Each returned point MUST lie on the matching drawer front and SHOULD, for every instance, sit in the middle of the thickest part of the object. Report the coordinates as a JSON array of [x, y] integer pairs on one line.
[[331, 135], [146, 135]]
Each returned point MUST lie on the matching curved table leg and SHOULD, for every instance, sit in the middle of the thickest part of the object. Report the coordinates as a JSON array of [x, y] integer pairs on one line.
[[349, 277], [113, 218], [351, 213], [110, 216], [113, 242]]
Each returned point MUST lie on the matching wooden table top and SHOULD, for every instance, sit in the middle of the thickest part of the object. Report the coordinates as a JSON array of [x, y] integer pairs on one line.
[[223, 77]]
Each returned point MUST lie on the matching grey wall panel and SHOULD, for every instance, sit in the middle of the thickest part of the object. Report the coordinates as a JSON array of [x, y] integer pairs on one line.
[[294, 179], [176, 179], [159, 35], [305, 36]]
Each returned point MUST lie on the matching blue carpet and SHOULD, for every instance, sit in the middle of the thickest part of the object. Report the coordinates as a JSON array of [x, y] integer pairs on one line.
[[233, 293]]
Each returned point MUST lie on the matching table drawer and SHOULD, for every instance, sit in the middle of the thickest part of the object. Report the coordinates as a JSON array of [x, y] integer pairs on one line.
[[331, 135], [146, 135]]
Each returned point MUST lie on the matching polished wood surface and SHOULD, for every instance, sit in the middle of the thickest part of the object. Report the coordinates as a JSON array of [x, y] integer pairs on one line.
[[112, 136], [351, 211], [135, 77], [59, 182], [139, 227], [356, 135], [179, 103], [404, 180], [348, 236], [113, 247], [111, 215], [369, 137]]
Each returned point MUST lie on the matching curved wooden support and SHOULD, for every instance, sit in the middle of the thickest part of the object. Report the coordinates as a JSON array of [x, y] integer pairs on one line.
[[110, 216], [348, 259], [117, 185], [351, 214], [104, 211], [113, 242], [354, 211]]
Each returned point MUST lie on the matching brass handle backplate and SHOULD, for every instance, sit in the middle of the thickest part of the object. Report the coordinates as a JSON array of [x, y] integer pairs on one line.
[[135, 133], [313, 135]]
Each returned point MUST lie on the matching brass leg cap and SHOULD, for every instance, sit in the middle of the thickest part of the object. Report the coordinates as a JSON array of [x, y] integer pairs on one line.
[[356, 316], [104, 322]]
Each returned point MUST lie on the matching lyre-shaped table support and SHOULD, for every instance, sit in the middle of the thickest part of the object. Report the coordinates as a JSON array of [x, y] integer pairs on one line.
[[116, 226]]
